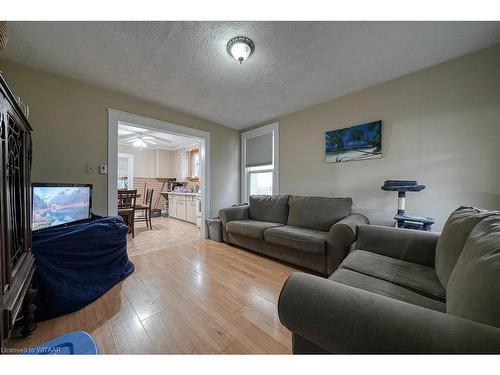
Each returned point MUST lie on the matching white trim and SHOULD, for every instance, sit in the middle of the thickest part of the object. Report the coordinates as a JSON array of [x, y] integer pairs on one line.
[[160, 148], [188, 146], [115, 117], [266, 129]]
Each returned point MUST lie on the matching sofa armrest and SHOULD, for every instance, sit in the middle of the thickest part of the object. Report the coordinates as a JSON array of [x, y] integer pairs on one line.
[[232, 214], [406, 244], [340, 238], [343, 319]]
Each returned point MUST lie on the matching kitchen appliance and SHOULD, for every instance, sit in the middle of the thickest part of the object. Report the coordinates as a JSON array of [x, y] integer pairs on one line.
[[173, 184]]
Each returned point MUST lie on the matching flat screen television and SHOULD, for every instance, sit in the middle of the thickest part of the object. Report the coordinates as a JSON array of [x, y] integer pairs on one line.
[[60, 204]]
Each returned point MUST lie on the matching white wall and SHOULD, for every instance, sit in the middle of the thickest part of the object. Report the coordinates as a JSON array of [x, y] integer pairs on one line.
[[441, 126]]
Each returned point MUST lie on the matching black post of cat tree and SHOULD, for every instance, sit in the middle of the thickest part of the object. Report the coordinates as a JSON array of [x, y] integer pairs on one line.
[[403, 220]]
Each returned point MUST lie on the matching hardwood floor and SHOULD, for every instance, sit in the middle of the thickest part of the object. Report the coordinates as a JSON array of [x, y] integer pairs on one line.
[[196, 297], [166, 232]]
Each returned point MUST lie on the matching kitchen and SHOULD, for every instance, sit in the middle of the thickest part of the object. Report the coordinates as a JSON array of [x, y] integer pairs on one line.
[[183, 196], [170, 166]]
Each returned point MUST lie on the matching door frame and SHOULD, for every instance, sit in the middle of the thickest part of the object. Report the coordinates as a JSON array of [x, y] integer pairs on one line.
[[115, 117]]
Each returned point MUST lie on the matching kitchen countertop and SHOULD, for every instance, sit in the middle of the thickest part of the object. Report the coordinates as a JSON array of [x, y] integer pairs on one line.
[[179, 193]]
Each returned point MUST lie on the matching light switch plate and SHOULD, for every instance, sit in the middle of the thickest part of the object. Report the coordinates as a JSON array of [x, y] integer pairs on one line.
[[91, 168], [103, 169]]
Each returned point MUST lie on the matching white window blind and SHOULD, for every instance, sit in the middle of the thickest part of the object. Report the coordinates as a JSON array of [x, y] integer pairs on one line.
[[259, 150]]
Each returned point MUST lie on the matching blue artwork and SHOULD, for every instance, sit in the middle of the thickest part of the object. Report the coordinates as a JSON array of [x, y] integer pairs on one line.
[[360, 142]]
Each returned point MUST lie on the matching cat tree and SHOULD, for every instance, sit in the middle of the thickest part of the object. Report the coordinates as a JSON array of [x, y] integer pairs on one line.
[[403, 220]]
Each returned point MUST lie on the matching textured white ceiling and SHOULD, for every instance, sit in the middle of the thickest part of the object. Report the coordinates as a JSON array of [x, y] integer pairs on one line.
[[184, 65], [127, 133]]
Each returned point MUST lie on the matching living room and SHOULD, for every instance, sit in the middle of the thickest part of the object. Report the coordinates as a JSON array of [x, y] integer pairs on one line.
[[341, 174]]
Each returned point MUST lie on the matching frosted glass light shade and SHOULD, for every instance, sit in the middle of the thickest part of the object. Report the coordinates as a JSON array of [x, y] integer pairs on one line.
[[240, 51], [240, 48]]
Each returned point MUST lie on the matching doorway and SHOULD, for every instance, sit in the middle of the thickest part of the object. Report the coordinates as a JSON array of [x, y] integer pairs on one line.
[[194, 168]]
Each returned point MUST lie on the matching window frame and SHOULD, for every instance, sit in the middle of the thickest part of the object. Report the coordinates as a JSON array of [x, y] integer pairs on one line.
[[274, 167], [192, 154]]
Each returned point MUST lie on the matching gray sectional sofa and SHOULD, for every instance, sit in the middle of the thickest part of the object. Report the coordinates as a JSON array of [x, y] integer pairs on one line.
[[404, 291], [311, 232]]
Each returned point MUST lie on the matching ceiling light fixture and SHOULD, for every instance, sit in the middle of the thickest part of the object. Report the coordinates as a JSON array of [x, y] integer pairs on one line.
[[140, 143], [240, 48]]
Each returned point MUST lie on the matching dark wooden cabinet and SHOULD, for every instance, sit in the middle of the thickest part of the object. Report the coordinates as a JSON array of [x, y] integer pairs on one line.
[[16, 260]]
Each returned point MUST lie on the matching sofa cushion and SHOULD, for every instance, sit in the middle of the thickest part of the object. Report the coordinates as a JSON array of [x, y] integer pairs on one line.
[[413, 276], [270, 208], [385, 288], [306, 240], [455, 232], [474, 286], [250, 228], [318, 213]]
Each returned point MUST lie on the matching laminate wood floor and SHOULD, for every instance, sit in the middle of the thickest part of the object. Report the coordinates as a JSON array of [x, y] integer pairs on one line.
[[166, 232], [195, 297]]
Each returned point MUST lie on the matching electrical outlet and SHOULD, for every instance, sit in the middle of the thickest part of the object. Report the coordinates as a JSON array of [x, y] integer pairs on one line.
[[103, 169], [91, 168]]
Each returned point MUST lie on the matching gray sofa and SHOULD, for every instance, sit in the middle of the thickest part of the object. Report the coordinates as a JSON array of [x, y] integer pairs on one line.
[[404, 291], [311, 232]]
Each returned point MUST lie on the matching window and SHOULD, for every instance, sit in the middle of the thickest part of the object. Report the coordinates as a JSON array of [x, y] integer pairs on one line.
[[260, 181], [194, 163], [125, 171], [259, 148]]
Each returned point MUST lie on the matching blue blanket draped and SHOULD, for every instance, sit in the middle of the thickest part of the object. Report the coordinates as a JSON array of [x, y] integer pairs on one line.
[[77, 264]]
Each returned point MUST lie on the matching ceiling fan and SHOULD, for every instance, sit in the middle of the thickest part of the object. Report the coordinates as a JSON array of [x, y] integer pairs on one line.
[[141, 141]]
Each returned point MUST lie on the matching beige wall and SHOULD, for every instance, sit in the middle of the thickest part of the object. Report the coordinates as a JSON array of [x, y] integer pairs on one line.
[[69, 119], [441, 126], [144, 160]]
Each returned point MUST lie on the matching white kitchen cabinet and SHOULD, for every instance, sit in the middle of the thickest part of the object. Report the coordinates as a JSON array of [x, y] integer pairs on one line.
[[177, 165], [172, 207], [182, 207], [191, 212], [180, 210], [164, 164], [180, 164]]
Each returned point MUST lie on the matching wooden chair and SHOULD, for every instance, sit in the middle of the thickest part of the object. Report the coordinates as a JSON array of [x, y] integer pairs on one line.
[[126, 207], [146, 208]]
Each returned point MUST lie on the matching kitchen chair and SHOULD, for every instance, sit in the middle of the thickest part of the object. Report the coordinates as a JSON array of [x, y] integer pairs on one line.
[[126, 207], [146, 208]]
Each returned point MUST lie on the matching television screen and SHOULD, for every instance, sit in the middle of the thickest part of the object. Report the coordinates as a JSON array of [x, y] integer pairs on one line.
[[60, 204]]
